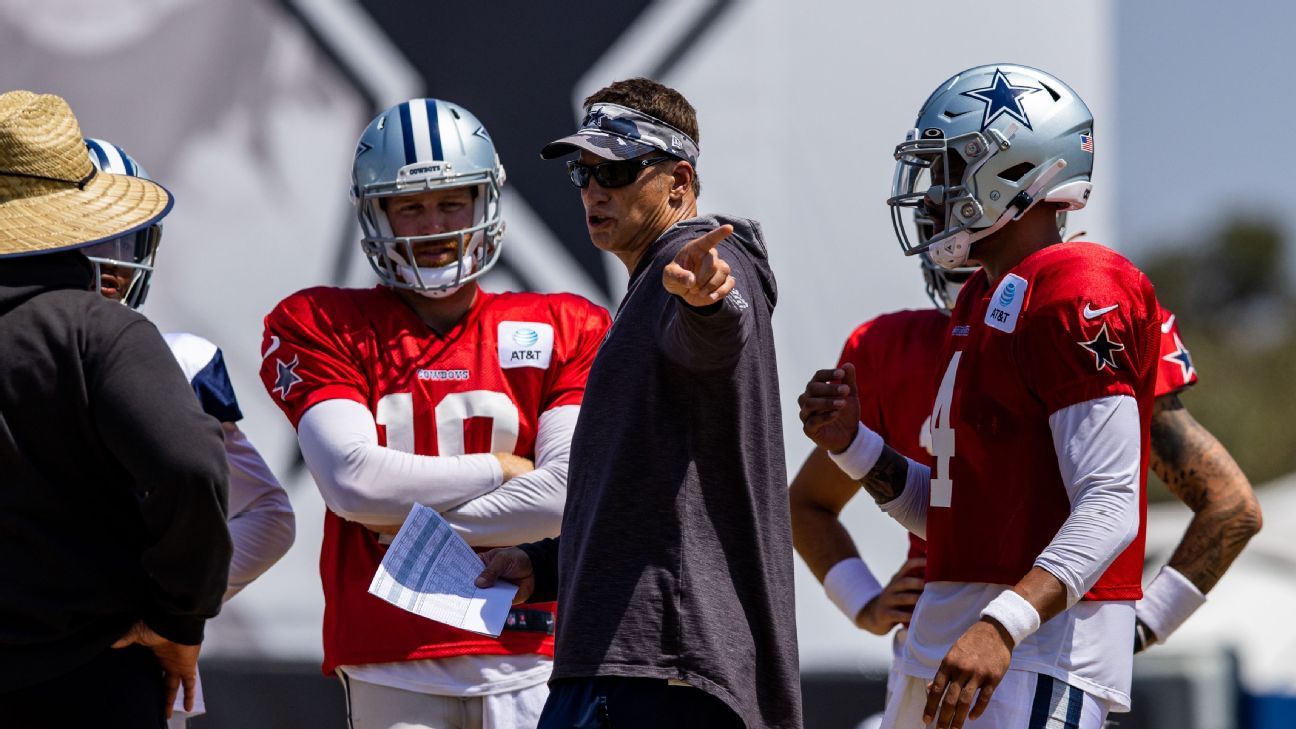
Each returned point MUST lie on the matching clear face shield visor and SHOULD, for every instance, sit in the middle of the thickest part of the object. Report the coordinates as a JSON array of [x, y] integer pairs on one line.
[[392, 257], [933, 190], [134, 254]]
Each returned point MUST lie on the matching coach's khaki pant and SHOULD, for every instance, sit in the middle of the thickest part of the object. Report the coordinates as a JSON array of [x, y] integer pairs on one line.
[[370, 706]]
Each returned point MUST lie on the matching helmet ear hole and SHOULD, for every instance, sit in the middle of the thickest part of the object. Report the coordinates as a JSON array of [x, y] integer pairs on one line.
[[1016, 172]]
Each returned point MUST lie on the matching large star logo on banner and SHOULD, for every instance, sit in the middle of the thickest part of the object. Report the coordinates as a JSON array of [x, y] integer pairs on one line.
[[1181, 357], [1104, 349], [1000, 98], [382, 48]]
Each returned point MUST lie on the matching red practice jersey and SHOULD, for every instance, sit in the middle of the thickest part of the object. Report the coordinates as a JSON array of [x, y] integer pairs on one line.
[[897, 362], [479, 389], [1071, 323]]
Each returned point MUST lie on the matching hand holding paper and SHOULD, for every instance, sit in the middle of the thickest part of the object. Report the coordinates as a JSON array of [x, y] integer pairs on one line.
[[431, 571]]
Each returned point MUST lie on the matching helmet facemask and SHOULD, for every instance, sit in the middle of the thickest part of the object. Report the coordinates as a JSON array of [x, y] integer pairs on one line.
[[135, 252], [477, 246], [936, 178]]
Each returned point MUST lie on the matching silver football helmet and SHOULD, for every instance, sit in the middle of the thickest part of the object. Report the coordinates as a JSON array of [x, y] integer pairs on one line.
[[988, 145], [135, 251], [413, 147]]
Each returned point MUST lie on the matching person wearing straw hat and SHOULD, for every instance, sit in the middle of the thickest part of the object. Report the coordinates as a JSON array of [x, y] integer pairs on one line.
[[113, 545]]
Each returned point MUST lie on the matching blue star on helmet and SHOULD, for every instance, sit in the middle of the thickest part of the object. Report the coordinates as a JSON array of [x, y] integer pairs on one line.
[[286, 377], [1000, 98], [1181, 357], [1103, 348]]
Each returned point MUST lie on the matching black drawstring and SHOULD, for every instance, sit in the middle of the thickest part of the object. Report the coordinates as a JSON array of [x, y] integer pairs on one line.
[[80, 184]]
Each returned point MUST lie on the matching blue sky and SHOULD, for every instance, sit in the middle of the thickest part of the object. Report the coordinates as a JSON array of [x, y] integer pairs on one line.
[[1205, 102]]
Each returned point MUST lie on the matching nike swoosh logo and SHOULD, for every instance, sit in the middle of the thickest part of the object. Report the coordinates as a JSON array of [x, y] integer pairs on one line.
[[1095, 313], [1167, 325], [274, 344]]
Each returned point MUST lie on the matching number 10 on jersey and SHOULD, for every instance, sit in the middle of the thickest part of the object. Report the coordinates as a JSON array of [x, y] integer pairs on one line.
[[942, 435]]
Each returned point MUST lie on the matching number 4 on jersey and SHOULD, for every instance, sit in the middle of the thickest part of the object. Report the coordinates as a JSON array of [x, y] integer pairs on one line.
[[942, 437]]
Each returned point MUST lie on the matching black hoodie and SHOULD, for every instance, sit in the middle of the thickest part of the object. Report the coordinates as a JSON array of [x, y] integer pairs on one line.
[[675, 560], [112, 479]]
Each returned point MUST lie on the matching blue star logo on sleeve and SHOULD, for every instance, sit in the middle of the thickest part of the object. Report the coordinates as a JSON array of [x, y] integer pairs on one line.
[[286, 377], [1103, 348], [1000, 98], [1181, 357]]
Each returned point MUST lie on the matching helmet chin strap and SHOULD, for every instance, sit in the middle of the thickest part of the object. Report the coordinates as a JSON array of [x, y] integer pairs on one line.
[[441, 278], [953, 251]]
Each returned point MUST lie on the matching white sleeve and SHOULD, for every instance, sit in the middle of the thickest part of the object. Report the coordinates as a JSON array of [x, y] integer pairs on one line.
[[365, 482], [261, 521], [910, 507], [527, 508], [1098, 451]]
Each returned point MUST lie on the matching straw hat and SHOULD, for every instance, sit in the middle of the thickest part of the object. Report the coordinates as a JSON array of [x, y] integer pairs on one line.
[[51, 196]]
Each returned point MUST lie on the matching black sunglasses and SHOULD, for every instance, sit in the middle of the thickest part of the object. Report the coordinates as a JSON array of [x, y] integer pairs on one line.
[[617, 173]]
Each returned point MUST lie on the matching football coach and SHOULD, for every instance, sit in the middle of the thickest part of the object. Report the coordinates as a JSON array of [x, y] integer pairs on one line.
[[673, 572]]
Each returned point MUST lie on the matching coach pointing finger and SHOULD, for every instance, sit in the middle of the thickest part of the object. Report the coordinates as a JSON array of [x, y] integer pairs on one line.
[[698, 275], [677, 460]]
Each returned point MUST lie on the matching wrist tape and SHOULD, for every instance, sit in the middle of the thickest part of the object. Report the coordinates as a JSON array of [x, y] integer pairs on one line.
[[1167, 602], [861, 455], [850, 585], [1015, 614]]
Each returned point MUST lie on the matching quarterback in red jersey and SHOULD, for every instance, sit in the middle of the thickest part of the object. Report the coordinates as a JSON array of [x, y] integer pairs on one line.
[[428, 390], [901, 351], [1039, 428]]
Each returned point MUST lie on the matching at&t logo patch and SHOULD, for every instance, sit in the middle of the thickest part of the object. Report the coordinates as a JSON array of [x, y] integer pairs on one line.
[[525, 344], [1006, 303]]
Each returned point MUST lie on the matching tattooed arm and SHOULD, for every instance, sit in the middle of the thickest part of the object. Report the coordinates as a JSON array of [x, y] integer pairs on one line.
[[1200, 471]]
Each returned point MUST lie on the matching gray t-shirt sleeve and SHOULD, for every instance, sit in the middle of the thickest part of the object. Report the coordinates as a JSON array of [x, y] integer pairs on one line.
[[711, 337]]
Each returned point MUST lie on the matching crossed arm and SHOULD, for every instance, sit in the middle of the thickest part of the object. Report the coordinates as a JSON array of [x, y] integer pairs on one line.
[[488, 498]]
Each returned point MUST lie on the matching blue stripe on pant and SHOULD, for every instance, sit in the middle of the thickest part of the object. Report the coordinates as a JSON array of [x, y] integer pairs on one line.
[[1056, 706]]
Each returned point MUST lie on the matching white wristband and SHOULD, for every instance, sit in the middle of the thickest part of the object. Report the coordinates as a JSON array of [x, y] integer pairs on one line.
[[862, 455], [850, 585], [1015, 614], [1167, 602]]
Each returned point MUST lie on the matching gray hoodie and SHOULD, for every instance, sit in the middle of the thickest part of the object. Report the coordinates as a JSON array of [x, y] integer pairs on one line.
[[675, 559]]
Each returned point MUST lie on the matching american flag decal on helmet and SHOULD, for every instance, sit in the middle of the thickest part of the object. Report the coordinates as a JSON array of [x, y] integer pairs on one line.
[[1086, 143]]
